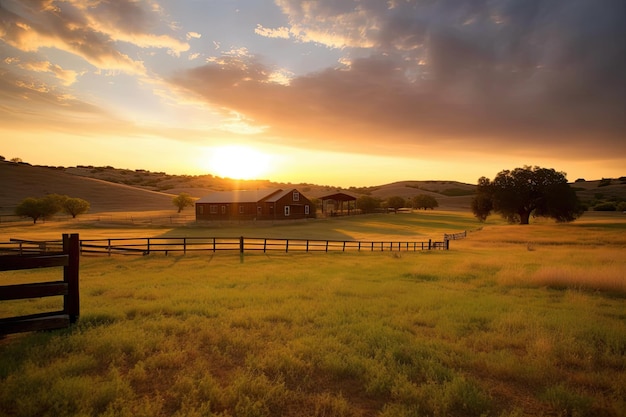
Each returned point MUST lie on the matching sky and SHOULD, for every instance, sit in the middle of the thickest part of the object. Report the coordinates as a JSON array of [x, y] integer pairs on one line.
[[340, 93]]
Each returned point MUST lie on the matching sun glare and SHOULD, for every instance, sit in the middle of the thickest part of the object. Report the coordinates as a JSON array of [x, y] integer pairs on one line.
[[238, 162]]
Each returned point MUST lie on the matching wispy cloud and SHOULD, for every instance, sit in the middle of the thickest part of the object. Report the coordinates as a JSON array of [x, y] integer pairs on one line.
[[281, 32]]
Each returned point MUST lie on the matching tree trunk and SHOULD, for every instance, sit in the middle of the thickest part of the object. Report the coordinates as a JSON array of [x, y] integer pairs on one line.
[[524, 217]]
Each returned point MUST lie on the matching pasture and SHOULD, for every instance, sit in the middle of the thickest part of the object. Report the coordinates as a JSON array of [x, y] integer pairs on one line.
[[512, 321]]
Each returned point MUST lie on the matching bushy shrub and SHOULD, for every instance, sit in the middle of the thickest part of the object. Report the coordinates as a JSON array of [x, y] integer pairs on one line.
[[608, 206]]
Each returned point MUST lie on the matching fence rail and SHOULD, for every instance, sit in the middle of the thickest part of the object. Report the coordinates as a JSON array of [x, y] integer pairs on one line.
[[241, 244], [146, 246], [68, 258], [455, 236]]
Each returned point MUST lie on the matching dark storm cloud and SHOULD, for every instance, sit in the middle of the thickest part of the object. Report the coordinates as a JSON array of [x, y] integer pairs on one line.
[[513, 74]]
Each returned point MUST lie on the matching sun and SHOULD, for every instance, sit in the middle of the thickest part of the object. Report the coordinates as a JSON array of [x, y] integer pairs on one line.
[[238, 162]]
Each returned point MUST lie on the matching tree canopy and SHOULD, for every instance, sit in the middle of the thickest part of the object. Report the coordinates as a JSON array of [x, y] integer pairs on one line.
[[75, 206], [424, 201], [367, 204], [182, 200], [51, 204], [396, 202], [522, 192]]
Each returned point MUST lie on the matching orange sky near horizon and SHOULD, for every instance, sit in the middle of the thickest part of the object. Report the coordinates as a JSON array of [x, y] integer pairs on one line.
[[333, 93]]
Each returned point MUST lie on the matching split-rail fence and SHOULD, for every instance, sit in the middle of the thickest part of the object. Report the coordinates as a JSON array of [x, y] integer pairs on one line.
[[241, 244], [66, 256]]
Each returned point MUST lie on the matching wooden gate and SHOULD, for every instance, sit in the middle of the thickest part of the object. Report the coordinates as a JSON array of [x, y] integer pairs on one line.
[[68, 258]]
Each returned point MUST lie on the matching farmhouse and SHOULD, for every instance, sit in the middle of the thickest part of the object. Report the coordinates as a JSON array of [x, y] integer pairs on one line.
[[266, 204]]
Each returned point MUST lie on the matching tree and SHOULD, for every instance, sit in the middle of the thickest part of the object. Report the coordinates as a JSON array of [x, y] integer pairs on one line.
[[367, 204], [424, 201], [75, 206], [182, 200], [396, 202], [521, 192], [39, 208]]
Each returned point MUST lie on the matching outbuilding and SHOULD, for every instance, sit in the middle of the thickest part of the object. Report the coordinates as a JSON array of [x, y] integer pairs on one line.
[[333, 204], [265, 204]]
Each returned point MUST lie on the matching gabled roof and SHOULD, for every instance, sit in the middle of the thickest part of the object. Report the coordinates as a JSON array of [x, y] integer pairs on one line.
[[239, 196], [274, 198]]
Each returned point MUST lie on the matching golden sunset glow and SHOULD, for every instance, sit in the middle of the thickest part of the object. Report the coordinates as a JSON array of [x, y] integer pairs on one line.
[[238, 162], [338, 93]]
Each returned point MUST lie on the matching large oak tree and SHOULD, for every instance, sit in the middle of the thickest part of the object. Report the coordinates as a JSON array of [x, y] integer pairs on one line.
[[522, 192]]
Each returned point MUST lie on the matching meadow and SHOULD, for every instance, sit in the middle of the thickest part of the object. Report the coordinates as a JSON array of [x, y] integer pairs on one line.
[[512, 321]]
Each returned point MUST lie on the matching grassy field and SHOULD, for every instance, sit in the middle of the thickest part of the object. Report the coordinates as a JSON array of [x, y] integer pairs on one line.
[[512, 321]]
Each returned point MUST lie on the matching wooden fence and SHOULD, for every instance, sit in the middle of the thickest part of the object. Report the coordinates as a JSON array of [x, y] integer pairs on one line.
[[68, 258], [146, 246], [455, 236]]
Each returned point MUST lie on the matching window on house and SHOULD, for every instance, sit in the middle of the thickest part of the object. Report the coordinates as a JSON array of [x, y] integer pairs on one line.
[[296, 196], [200, 209], [259, 210], [287, 210], [223, 209], [213, 209], [241, 209], [306, 209]]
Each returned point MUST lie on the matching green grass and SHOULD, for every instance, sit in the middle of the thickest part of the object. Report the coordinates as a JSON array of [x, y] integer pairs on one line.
[[479, 330]]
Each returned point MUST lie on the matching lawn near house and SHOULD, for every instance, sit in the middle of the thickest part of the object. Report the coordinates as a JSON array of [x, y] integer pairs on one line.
[[512, 321]]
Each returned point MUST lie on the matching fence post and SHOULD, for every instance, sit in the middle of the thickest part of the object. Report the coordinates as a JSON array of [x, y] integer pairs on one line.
[[148, 246], [240, 249], [109, 241], [429, 243], [286, 245], [264, 245], [184, 246], [71, 301], [447, 244], [307, 246]]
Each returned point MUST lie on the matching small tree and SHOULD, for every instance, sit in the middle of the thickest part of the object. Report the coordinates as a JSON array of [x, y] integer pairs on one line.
[[39, 208], [396, 202], [367, 204], [527, 191], [424, 201], [182, 200], [75, 206]]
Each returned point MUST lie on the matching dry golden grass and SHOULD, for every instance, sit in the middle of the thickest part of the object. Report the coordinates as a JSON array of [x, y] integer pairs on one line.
[[477, 330]]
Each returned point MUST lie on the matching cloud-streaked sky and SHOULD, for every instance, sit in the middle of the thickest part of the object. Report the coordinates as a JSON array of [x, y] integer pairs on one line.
[[355, 92]]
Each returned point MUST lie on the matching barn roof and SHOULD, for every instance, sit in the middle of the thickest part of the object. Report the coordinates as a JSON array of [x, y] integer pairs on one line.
[[274, 198], [339, 197], [239, 196]]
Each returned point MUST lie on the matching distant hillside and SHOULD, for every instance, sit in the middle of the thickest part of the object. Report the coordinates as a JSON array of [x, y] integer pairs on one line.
[[449, 194], [111, 189], [19, 181]]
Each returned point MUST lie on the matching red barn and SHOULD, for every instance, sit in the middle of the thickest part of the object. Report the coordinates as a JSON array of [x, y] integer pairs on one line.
[[267, 204]]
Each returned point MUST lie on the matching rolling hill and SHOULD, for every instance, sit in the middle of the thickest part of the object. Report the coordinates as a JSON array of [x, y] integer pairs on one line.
[[110, 189], [19, 181]]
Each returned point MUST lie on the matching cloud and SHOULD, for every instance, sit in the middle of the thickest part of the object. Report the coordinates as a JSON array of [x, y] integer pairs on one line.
[[90, 30], [193, 35], [67, 77], [509, 76], [280, 33]]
